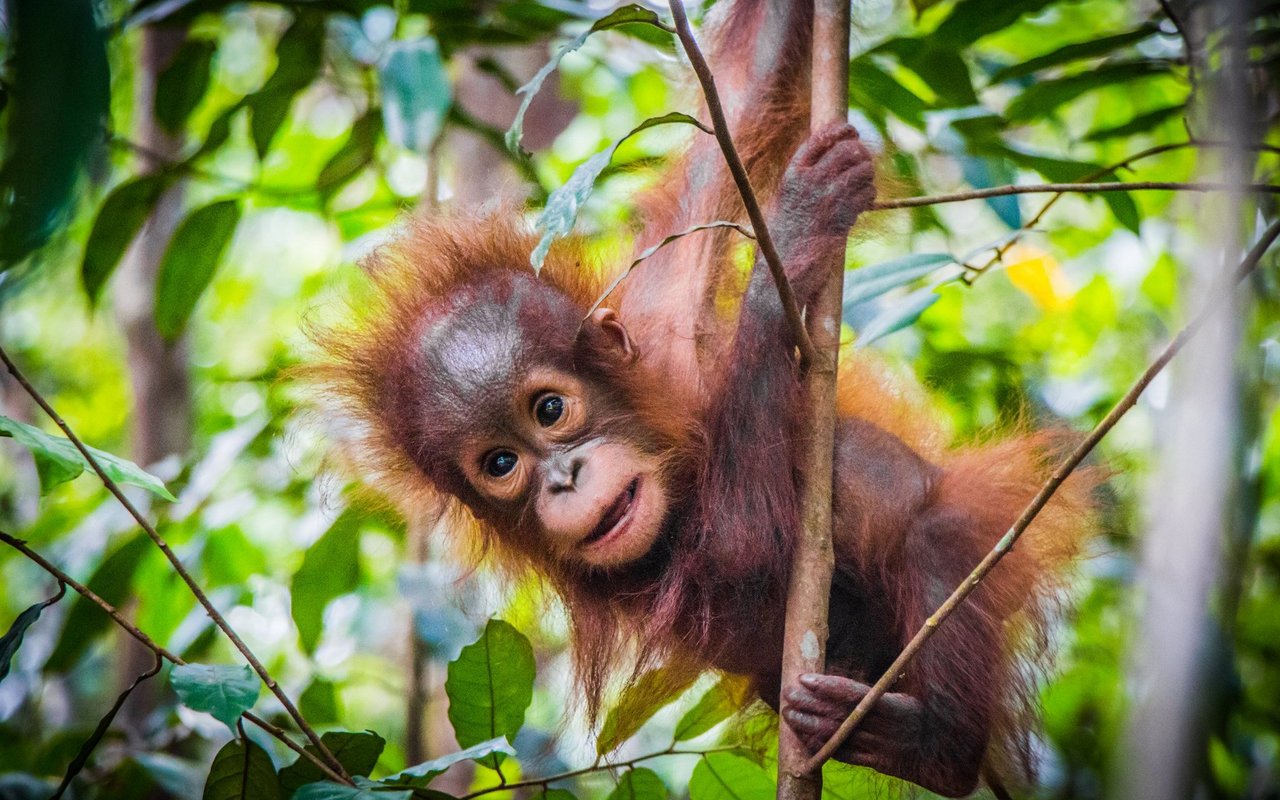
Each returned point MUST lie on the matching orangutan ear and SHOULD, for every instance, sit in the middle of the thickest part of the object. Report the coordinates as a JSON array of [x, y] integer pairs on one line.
[[605, 330]]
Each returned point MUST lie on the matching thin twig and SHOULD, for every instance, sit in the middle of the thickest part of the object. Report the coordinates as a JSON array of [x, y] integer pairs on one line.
[[86, 749], [1085, 188], [147, 642], [178, 566], [790, 308], [1041, 499], [596, 767]]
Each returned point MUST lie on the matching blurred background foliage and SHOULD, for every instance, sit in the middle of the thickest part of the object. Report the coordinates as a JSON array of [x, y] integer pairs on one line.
[[261, 148]]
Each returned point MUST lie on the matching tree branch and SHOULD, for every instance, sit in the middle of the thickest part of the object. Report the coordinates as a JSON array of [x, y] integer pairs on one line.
[[149, 643], [178, 567], [1059, 188], [1041, 499], [790, 308]]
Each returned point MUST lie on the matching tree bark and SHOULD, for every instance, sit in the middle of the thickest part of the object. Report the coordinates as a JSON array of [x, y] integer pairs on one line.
[[805, 639]]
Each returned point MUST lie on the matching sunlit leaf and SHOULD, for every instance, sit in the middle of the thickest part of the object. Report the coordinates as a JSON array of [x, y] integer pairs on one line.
[[223, 690], [639, 783], [1039, 276], [720, 702], [416, 94], [182, 84], [640, 700], [299, 54], [1043, 97], [189, 263], [58, 97], [729, 776], [12, 639], [940, 66], [970, 20], [242, 771], [358, 753], [557, 218], [112, 581], [872, 89], [331, 567], [355, 154], [119, 219], [58, 460], [626, 15], [1139, 124], [420, 775], [897, 316], [1093, 48], [490, 685]]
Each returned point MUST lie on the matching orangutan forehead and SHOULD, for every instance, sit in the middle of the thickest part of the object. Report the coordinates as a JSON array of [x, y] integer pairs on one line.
[[474, 350]]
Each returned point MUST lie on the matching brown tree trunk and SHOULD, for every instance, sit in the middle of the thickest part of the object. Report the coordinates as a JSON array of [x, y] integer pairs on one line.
[[161, 418]]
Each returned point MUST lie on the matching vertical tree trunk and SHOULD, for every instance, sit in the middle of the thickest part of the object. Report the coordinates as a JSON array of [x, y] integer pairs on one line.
[[1191, 512], [161, 418], [804, 643]]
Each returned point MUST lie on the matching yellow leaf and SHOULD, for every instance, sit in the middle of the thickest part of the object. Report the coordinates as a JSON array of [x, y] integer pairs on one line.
[[1039, 276]]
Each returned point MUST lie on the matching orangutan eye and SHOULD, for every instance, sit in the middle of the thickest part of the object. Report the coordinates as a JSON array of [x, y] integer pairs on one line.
[[500, 463], [549, 410]]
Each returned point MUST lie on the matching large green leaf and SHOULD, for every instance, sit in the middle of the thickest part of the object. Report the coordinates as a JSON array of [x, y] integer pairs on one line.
[[626, 15], [1139, 124], [416, 94], [355, 154], [876, 92], [970, 20], [112, 581], [490, 685], [897, 316], [223, 690], [1065, 170], [12, 639], [874, 280], [119, 219], [330, 568], [557, 218], [319, 702], [58, 92], [1093, 48], [299, 54], [189, 263], [58, 460], [242, 771], [327, 790], [719, 703], [357, 753], [640, 700], [420, 775], [1042, 97], [182, 84], [729, 776], [639, 783]]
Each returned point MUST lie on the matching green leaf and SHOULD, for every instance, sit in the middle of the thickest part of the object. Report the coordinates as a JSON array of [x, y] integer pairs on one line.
[[222, 690], [181, 85], [897, 316], [416, 94], [12, 640], [642, 698], [119, 219], [557, 218], [719, 703], [639, 783], [872, 281], [319, 702], [1093, 48], [112, 581], [1043, 97], [300, 53], [355, 154], [420, 775], [242, 771], [189, 263], [981, 173], [327, 790], [970, 20], [940, 66], [58, 460], [490, 685], [1064, 170], [58, 96], [357, 752], [1139, 124], [875, 91], [729, 776], [330, 568], [625, 15]]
